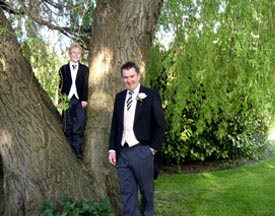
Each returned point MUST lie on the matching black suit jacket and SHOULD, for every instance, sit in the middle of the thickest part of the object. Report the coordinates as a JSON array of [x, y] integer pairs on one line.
[[81, 81], [149, 122]]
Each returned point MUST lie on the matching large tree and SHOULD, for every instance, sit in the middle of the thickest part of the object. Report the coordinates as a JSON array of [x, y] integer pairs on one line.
[[38, 164]]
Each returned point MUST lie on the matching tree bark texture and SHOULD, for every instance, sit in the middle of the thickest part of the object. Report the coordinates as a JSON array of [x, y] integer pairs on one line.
[[38, 164], [122, 31]]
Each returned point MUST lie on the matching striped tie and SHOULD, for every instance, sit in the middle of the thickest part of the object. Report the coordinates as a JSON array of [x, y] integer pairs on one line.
[[129, 100]]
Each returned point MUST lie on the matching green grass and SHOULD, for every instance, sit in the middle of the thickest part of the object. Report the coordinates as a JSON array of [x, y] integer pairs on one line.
[[246, 191]]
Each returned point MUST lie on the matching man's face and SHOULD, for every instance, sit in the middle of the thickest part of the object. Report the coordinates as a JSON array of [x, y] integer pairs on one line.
[[75, 54], [130, 78]]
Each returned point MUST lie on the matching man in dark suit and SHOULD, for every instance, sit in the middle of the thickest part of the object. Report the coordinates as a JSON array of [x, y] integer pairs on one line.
[[74, 84], [136, 134]]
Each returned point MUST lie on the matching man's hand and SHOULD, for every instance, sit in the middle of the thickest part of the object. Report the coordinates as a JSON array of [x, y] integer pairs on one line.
[[60, 105], [153, 151], [84, 104], [112, 158]]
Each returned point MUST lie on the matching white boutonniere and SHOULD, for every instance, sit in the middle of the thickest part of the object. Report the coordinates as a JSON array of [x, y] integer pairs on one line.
[[141, 96]]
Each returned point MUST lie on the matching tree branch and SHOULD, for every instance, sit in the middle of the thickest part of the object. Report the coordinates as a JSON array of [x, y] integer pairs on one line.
[[6, 7]]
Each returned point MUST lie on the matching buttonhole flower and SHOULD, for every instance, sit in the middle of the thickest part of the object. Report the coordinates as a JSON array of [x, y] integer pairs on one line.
[[141, 96]]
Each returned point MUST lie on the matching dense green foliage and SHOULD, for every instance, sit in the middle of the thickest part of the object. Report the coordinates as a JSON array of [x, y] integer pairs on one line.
[[71, 207], [244, 191], [45, 64], [217, 78]]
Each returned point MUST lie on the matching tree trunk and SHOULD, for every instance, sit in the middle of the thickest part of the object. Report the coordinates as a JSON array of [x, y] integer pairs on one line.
[[38, 163]]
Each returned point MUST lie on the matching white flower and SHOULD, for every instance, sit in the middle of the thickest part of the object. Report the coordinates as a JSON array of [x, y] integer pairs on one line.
[[141, 96]]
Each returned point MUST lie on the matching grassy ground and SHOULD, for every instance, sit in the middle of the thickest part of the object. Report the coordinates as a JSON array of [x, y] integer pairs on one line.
[[245, 191]]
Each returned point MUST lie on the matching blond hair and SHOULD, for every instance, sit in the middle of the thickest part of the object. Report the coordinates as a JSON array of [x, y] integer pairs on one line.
[[75, 45]]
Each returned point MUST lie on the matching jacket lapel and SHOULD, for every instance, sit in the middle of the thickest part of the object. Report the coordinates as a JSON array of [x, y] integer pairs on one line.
[[68, 71], [79, 71], [120, 105], [139, 105]]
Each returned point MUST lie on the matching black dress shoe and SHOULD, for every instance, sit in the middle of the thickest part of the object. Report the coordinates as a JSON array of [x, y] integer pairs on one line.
[[79, 156]]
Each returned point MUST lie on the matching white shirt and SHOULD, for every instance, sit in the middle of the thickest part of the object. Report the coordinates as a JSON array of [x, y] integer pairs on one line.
[[129, 117], [73, 90]]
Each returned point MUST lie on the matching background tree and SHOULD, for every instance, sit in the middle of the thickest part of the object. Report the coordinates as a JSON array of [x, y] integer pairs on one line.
[[38, 164], [71, 18], [219, 78]]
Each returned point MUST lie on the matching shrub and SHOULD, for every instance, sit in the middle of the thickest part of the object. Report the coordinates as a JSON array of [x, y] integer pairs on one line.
[[72, 207]]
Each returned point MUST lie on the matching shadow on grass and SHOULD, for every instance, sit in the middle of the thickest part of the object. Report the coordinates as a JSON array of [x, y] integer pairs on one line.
[[194, 167]]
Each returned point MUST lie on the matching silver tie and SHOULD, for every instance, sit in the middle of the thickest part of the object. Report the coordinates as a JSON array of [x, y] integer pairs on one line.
[[74, 66], [129, 100]]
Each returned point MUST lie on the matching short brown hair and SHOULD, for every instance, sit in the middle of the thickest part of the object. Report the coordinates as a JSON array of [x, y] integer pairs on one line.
[[128, 65]]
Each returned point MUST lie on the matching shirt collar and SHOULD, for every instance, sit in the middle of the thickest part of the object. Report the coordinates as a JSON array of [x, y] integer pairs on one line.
[[74, 63], [136, 90]]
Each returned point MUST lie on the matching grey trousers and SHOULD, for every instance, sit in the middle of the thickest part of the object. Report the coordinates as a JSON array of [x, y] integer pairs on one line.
[[135, 168], [74, 125]]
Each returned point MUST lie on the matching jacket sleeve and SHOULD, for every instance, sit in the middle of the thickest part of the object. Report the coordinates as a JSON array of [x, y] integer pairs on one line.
[[114, 132], [86, 84], [61, 83], [159, 122]]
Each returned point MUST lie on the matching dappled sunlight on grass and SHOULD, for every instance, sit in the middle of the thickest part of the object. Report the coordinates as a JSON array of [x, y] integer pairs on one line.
[[270, 166], [244, 191]]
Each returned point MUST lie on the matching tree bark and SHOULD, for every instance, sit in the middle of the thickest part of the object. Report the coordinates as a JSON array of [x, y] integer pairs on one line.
[[38, 163]]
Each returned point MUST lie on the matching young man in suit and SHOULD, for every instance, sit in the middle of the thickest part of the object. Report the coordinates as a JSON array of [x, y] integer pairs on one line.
[[74, 84], [136, 134]]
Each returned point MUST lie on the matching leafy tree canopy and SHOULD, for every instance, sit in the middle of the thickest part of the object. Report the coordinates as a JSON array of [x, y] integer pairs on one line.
[[217, 77], [71, 18]]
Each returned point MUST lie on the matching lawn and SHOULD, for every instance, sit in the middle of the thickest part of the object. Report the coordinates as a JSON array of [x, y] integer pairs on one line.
[[245, 191]]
